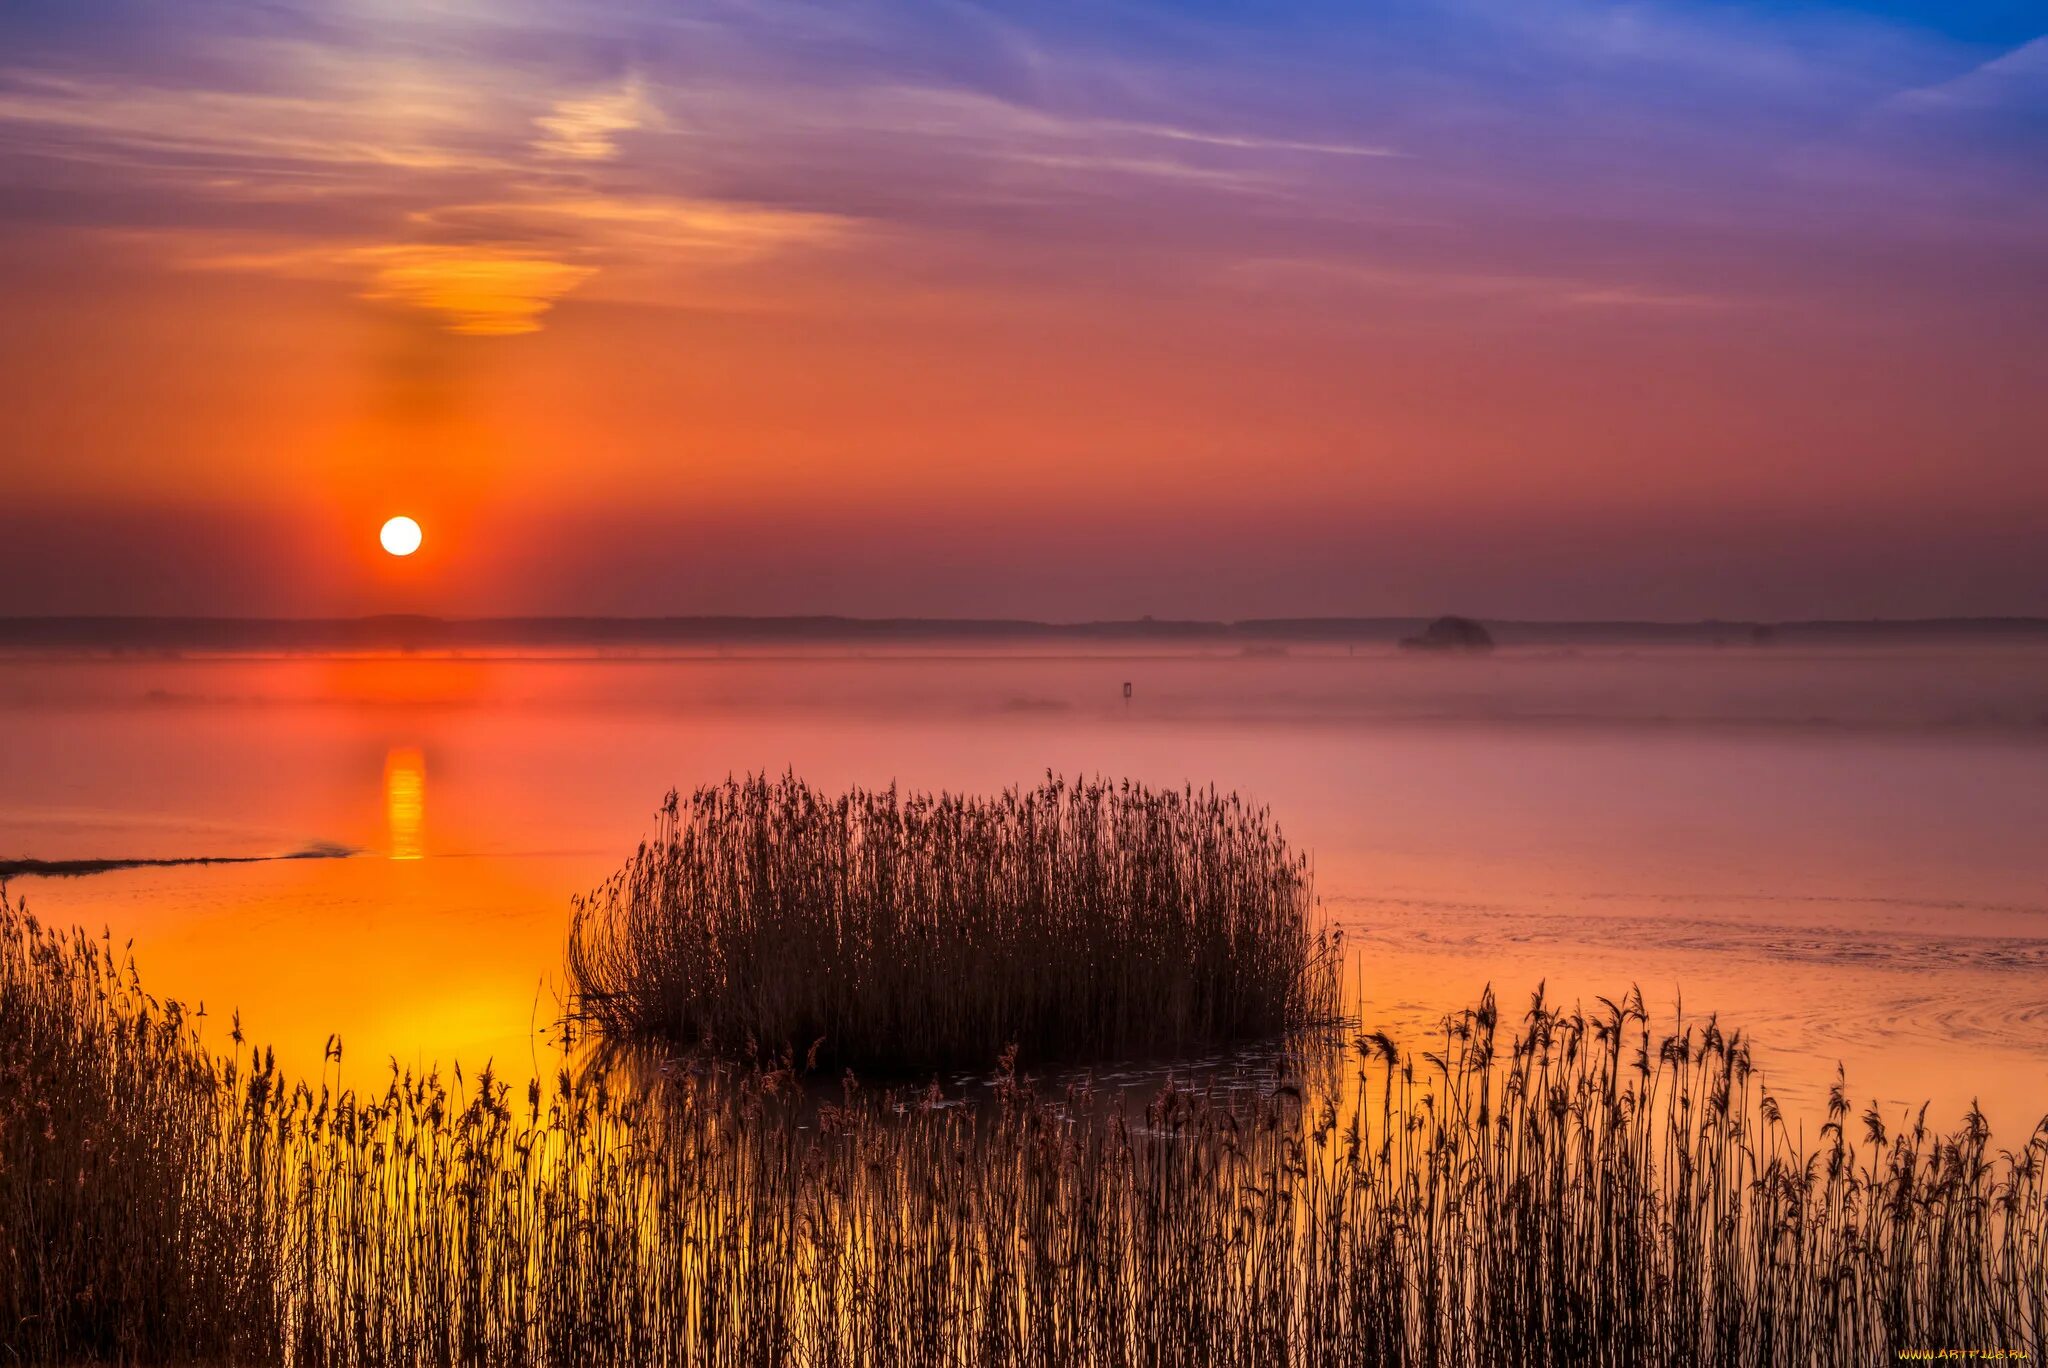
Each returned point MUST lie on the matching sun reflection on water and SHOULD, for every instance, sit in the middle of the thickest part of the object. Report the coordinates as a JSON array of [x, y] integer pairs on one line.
[[405, 801]]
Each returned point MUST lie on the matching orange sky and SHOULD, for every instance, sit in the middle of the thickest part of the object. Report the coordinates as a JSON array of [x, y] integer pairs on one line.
[[874, 310]]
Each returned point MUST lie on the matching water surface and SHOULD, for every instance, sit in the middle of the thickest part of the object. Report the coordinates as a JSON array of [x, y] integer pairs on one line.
[[1839, 850]]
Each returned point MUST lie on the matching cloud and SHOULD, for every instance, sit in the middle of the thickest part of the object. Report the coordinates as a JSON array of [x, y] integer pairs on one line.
[[685, 232], [495, 269], [438, 203], [327, 110], [585, 128], [1517, 288], [1538, 147], [477, 292], [1249, 142], [2014, 80], [1637, 297], [474, 290], [1000, 130]]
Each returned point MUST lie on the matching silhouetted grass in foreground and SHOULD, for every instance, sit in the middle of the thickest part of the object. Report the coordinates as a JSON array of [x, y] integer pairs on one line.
[[900, 933], [1587, 1192]]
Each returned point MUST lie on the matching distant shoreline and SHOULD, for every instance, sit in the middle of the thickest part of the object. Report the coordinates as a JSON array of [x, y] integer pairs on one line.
[[412, 633], [72, 869]]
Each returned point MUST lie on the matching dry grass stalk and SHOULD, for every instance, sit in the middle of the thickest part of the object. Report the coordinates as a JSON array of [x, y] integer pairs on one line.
[[902, 933], [1589, 1191]]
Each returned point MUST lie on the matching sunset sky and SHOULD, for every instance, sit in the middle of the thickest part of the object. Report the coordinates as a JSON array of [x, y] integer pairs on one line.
[[1537, 308]]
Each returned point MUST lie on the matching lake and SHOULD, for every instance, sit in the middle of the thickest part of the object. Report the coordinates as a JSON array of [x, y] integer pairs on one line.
[[1839, 850]]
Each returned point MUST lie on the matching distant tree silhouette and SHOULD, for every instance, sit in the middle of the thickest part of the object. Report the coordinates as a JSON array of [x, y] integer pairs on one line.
[[1451, 633]]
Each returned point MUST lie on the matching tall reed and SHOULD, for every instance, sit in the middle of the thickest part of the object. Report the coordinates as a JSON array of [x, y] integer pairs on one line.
[[1583, 1189], [127, 1222], [900, 932]]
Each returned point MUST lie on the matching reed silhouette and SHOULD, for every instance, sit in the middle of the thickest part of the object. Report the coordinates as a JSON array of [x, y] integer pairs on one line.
[[902, 933], [1581, 1189]]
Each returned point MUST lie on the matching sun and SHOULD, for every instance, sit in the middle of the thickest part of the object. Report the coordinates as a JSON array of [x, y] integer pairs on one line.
[[401, 536]]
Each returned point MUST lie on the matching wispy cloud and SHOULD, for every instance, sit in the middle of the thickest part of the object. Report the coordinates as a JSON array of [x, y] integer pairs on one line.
[[496, 269], [1003, 130], [1526, 289], [2015, 79], [1246, 141], [1639, 297], [477, 291], [692, 232], [982, 146], [485, 227], [327, 111], [586, 127]]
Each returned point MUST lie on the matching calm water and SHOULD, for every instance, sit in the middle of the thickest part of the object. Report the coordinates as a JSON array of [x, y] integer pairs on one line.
[[1841, 851]]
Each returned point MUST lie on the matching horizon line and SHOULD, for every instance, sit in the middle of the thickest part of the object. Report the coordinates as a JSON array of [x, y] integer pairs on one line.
[[86, 628]]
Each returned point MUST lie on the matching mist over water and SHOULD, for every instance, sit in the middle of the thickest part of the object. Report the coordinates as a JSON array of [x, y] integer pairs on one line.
[[1838, 850]]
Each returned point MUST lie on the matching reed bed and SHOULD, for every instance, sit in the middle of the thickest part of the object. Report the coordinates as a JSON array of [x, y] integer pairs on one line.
[[1579, 1188], [903, 933]]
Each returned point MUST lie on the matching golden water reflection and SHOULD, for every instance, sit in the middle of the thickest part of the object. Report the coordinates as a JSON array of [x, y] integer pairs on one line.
[[405, 801], [1848, 891]]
